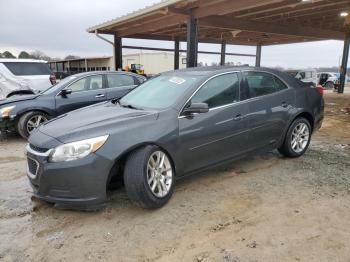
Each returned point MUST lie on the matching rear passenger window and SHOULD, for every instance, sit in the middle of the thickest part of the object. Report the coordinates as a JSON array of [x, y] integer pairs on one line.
[[279, 84], [119, 80], [260, 83], [219, 91]]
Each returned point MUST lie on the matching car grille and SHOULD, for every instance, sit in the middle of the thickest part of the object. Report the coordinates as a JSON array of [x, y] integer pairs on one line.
[[38, 149], [32, 166]]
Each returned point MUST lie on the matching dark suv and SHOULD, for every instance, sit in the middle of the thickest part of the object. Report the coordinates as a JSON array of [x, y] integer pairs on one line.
[[26, 112]]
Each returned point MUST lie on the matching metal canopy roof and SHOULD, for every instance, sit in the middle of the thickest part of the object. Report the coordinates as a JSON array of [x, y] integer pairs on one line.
[[244, 22]]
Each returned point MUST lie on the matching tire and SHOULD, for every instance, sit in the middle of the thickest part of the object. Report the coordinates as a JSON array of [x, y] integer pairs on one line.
[[137, 175], [296, 149], [24, 122], [329, 85]]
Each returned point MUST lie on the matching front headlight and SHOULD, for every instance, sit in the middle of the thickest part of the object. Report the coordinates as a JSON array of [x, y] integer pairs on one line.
[[77, 150], [5, 111]]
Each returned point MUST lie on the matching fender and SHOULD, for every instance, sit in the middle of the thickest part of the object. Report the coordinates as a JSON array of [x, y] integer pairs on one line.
[[45, 110], [295, 115]]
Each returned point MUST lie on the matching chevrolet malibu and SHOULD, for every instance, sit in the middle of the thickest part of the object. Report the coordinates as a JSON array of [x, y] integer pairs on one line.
[[175, 124]]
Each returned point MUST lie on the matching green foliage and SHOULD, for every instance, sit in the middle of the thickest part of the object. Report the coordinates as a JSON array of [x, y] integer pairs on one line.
[[7, 54], [24, 55]]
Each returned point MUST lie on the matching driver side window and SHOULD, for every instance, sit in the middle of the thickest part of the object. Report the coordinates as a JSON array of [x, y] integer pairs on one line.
[[219, 91]]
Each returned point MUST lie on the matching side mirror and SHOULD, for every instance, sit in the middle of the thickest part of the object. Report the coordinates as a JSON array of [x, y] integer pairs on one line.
[[196, 108], [65, 92]]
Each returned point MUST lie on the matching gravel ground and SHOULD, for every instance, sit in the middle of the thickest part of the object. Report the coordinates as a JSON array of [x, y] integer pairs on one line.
[[261, 208]]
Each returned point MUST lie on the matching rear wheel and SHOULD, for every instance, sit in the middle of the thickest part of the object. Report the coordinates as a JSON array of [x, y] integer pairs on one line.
[[149, 177], [29, 121], [297, 139]]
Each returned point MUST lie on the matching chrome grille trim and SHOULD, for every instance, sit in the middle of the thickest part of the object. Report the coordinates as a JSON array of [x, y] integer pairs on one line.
[[36, 153], [30, 174]]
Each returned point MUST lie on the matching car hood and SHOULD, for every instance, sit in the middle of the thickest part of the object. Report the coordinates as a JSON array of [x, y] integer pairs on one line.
[[95, 120], [18, 98]]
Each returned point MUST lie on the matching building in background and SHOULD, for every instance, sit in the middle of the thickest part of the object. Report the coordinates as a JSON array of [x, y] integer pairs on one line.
[[153, 63]]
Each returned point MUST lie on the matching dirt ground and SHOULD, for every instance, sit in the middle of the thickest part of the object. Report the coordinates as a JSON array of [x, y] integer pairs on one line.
[[262, 208]]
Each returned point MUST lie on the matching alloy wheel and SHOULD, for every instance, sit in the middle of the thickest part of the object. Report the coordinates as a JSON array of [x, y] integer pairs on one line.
[[35, 121], [159, 174], [300, 137]]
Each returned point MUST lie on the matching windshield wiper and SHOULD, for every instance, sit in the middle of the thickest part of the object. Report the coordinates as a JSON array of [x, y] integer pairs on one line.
[[129, 106]]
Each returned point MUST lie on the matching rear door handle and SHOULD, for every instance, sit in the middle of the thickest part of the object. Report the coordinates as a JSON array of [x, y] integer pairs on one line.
[[100, 96], [238, 117], [285, 104]]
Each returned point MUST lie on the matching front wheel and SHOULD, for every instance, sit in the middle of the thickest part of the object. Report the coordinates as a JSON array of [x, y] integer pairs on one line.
[[297, 139], [29, 121], [149, 177]]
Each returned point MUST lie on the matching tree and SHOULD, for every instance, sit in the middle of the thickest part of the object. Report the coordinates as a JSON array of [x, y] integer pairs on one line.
[[7, 54], [24, 55], [39, 55], [70, 57]]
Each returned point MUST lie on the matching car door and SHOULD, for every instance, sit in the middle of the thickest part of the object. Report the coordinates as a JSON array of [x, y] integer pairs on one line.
[[119, 85], [219, 134], [269, 102], [85, 91]]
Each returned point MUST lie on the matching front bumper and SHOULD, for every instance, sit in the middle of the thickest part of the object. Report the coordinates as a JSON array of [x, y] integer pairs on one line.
[[79, 184]]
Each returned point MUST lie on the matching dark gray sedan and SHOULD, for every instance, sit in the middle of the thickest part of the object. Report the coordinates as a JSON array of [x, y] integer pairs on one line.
[[24, 113], [175, 124]]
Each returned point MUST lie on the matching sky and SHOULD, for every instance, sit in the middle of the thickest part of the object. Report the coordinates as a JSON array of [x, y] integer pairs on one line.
[[58, 28]]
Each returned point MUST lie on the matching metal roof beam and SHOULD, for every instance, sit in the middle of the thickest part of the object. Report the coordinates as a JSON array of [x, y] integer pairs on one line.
[[253, 26], [230, 6], [153, 26]]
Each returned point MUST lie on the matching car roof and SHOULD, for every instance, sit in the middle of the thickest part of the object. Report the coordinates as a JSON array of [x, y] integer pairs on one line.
[[14, 60], [104, 72], [300, 70], [214, 70]]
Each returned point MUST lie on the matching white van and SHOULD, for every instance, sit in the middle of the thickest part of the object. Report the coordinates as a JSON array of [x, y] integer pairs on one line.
[[307, 76], [24, 74]]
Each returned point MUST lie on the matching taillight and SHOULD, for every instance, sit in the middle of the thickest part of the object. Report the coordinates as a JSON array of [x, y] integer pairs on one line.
[[53, 79], [320, 89]]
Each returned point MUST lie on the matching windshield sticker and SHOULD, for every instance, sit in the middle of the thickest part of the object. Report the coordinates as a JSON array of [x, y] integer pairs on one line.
[[177, 80]]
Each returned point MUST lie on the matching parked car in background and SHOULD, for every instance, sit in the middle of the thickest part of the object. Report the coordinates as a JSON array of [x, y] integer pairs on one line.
[[175, 124], [24, 74], [26, 112], [306, 76], [328, 80]]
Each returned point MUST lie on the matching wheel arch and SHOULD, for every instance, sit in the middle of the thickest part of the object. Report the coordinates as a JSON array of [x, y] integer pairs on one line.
[[119, 163], [27, 110], [308, 116], [304, 114]]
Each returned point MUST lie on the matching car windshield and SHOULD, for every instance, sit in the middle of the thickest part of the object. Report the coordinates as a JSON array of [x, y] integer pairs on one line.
[[59, 85], [158, 93]]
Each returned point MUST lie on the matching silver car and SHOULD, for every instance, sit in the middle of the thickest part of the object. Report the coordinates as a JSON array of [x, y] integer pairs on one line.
[[24, 74]]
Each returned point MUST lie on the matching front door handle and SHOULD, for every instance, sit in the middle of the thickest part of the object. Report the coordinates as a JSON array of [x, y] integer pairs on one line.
[[99, 96]]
